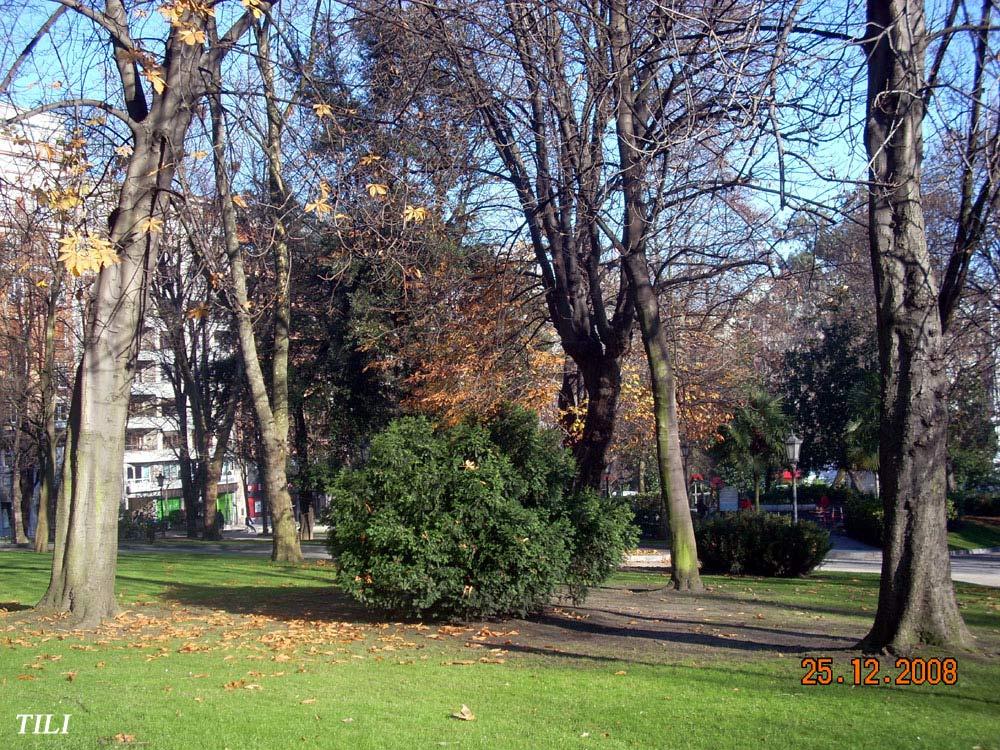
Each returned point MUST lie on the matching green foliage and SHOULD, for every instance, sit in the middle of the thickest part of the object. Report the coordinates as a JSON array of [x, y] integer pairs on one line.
[[809, 494], [977, 503], [603, 530], [753, 443], [761, 544], [472, 521], [863, 519], [827, 385], [972, 436]]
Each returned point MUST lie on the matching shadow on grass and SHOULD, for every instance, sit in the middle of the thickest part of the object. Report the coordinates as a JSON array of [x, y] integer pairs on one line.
[[280, 602], [732, 626], [737, 638], [14, 606]]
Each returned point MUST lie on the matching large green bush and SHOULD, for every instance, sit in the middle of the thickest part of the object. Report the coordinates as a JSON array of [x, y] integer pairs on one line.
[[760, 544], [471, 521]]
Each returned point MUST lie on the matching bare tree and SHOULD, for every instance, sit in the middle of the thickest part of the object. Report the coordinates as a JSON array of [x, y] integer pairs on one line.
[[158, 97]]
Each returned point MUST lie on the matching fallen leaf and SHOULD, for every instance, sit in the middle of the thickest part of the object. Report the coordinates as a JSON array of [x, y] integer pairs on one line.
[[124, 739], [464, 714], [308, 701], [70, 676]]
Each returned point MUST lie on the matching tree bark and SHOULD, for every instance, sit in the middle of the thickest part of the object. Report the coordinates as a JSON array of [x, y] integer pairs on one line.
[[213, 467], [916, 597], [603, 381]]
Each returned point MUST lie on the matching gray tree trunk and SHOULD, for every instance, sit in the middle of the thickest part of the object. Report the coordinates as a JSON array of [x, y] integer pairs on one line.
[[48, 444], [285, 544], [916, 597]]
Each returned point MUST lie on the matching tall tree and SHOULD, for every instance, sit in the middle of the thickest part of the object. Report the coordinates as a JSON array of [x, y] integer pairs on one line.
[[158, 99], [916, 597]]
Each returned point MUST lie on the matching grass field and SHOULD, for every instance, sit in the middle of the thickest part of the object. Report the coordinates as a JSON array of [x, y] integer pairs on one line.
[[974, 535], [230, 652]]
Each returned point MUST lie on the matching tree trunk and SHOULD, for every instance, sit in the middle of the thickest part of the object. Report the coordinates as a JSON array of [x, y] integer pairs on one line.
[[603, 381], [635, 229], [285, 546], [916, 597], [683, 549], [83, 567], [210, 493], [16, 511], [48, 445], [213, 468]]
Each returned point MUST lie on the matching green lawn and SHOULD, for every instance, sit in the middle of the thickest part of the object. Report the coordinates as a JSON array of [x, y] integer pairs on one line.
[[974, 535], [318, 680]]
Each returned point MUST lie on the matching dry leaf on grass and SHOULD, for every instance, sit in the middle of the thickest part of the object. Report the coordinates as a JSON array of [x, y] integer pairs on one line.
[[464, 714], [124, 739]]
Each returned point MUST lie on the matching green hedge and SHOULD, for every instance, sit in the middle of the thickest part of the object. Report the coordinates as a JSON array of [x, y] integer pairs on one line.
[[761, 544], [808, 494], [864, 518], [977, 503], [472, 521]]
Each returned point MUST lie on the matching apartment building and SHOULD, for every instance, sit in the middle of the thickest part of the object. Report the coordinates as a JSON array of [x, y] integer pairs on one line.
[[153, 440]]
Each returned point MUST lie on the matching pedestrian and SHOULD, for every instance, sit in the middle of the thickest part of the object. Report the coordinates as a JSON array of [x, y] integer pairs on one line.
[[250, 527]]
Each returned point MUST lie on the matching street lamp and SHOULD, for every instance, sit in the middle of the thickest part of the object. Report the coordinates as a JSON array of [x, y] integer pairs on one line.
[[792, 444], [160, 479]]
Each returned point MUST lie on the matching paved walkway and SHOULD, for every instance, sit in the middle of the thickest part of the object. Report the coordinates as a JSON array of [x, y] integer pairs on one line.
[[851, 556]]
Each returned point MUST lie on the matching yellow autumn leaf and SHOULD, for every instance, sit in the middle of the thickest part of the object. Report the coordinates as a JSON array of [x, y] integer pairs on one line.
[[82, 253], [377, 190], [415, 214], [151, 224], [191, 35], [199, 154], [61, 200], [367, 161], [155, 77], [124, 150], [198, 312], [254, 7], [171, 13], [464, 714], [323, 110], [94, 121], [319, 207], [239, 200], [41, 283]]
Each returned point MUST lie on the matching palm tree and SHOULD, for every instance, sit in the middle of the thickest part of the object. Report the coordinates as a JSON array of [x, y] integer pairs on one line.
[[753, 442]]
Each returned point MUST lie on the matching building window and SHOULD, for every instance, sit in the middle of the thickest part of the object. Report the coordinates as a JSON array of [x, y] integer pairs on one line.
[[172, 440]]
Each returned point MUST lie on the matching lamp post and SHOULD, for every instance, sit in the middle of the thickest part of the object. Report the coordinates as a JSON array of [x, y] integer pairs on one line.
[[160, 479], [792, 444]]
